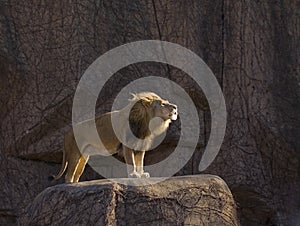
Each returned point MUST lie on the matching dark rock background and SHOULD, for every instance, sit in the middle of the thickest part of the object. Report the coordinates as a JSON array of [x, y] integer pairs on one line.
[[251, 46]]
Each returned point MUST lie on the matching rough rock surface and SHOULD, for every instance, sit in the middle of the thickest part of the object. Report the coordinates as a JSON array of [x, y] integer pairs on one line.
[[188, 200]]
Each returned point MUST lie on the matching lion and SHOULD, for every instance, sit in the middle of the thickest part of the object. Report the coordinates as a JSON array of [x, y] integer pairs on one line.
[[137, 117]]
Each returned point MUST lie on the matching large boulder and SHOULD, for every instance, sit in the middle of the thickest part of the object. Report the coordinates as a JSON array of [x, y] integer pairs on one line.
[[187, 200]]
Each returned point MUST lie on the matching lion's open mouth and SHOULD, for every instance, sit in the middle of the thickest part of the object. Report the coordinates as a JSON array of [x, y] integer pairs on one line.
[[173, 115]]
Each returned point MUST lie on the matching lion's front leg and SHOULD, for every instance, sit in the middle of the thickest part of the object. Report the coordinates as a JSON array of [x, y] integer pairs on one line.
[[139, 161], [130, 162]]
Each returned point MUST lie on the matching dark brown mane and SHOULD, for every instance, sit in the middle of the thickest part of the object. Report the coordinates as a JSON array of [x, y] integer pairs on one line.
[[139, 119], [141, 113]]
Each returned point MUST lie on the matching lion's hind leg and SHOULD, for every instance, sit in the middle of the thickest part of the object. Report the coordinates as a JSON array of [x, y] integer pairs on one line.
[[80, 168], [72, 168]]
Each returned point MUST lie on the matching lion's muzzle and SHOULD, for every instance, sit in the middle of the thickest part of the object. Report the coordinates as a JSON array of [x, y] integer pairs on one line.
[[174, 112]]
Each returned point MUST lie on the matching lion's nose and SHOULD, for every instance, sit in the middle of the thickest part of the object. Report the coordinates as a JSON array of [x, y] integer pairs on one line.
[[174, 106]]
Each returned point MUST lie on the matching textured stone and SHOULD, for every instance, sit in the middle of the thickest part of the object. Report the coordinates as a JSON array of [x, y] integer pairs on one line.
[[189, 200]]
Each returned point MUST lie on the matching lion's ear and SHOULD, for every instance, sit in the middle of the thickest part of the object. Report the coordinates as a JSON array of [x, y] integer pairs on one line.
[[133, 97], [146, 103]]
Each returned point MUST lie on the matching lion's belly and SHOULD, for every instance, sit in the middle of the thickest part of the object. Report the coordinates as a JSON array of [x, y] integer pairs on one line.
[[102, 143], [91, 150]]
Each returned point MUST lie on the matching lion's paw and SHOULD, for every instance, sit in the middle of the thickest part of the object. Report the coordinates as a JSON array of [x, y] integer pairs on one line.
[[134, 175], [145, 175]]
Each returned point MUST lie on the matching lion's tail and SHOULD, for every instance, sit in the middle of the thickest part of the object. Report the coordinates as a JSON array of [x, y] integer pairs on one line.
[[62, 169]]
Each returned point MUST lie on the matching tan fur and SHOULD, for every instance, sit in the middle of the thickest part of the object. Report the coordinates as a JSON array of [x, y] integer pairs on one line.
[[142, 107]]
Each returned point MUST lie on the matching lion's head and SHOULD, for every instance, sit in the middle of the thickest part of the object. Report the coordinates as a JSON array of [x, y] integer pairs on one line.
[[147, 106]]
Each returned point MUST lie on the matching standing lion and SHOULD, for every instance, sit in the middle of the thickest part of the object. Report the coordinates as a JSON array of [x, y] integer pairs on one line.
[[136, 117]]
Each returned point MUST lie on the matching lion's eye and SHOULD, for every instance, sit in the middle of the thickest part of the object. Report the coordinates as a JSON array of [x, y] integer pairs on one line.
[[162, 104]]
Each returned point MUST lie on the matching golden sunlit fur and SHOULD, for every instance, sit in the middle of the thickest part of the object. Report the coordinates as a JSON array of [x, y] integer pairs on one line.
[[141, 109]]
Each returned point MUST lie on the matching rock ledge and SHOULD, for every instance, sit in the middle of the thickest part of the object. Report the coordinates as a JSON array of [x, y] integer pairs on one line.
[[187, 200]]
